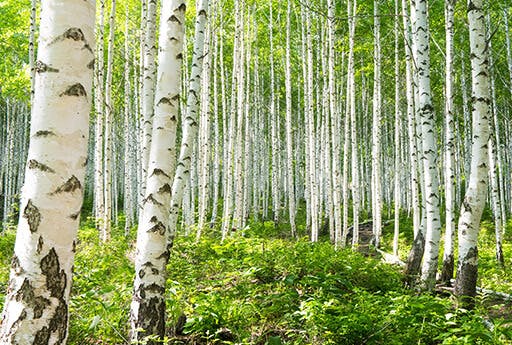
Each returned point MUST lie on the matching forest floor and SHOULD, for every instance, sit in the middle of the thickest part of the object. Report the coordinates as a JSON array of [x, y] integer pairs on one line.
[[261, 287]]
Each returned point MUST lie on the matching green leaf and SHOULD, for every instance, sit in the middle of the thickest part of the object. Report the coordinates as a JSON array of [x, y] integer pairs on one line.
[[274, 341]]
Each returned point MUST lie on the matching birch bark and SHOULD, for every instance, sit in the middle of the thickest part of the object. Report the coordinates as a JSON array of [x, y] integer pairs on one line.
[[376, 129], [36, 306], [190, 124], [109, 110], [429, 149], [475, 197], [449, 175], [147, 312]]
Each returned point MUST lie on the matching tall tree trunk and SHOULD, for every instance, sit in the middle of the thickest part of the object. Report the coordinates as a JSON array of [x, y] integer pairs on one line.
[[204, 137], [190, 124], [36, 305], [335, 128], [311, 131], [238, 212], [128, 129], [229, 128], [449, 175], [429, 150], [475, 197], [273, 123], [149, 52], [289, 129], [350, 106], [109, 110], [148, 303], [376, 179], [99, 99], [397, 160]]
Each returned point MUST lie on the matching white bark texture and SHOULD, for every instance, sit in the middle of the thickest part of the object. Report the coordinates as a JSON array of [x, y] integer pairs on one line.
[[311, 153], [99, 198], [229, 128], [148, 87], [411, 123], [429, 152], [204, 139], [238, 212], [475, 197], [31, 47], [398, 146], [190, 124], [289, 129], [449, 175], [335, 128], [152, 251], [36, 307], [376, 180], [109, 113]]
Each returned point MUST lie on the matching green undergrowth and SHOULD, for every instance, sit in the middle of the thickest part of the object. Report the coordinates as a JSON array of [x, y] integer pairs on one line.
[[261, 291], [254, 289]]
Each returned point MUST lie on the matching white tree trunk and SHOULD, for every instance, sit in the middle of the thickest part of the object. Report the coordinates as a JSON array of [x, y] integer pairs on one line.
[[229, 129], [495, 200], [335, 128], [148, 87], [411, 122], [36, 307], [204, 138], [449, 175], [429, 152], [109, 110], [376, 180], [474, 200], [311, 132], [129, 173], [190, 124], [398, 146], [238, 212], [152, 251], [350, 103], [99, 196]]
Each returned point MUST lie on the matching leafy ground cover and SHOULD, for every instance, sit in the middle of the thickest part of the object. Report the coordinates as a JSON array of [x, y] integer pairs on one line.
[[252, 289]]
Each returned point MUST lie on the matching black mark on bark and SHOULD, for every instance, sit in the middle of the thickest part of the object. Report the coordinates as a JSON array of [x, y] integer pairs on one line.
[[41, 67], [33, 216], [33, 164], [69, 186], [55, 277], [75, 90], [44, 134]]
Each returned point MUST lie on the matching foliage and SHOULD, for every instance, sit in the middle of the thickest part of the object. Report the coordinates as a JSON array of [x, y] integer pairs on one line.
[[102, 287], [251, 289], [14, 49]]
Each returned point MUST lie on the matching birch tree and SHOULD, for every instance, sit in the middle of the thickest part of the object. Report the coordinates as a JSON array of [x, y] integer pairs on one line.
[[335, 126], [190, 125], [148, 85], [449, 175], [36, 305], [475, 197], [376, 183], [109, 110], [99, 197], [152, 251], [429, 150]]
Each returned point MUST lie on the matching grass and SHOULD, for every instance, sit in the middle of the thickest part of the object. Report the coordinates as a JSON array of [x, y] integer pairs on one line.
[[263, 288]]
